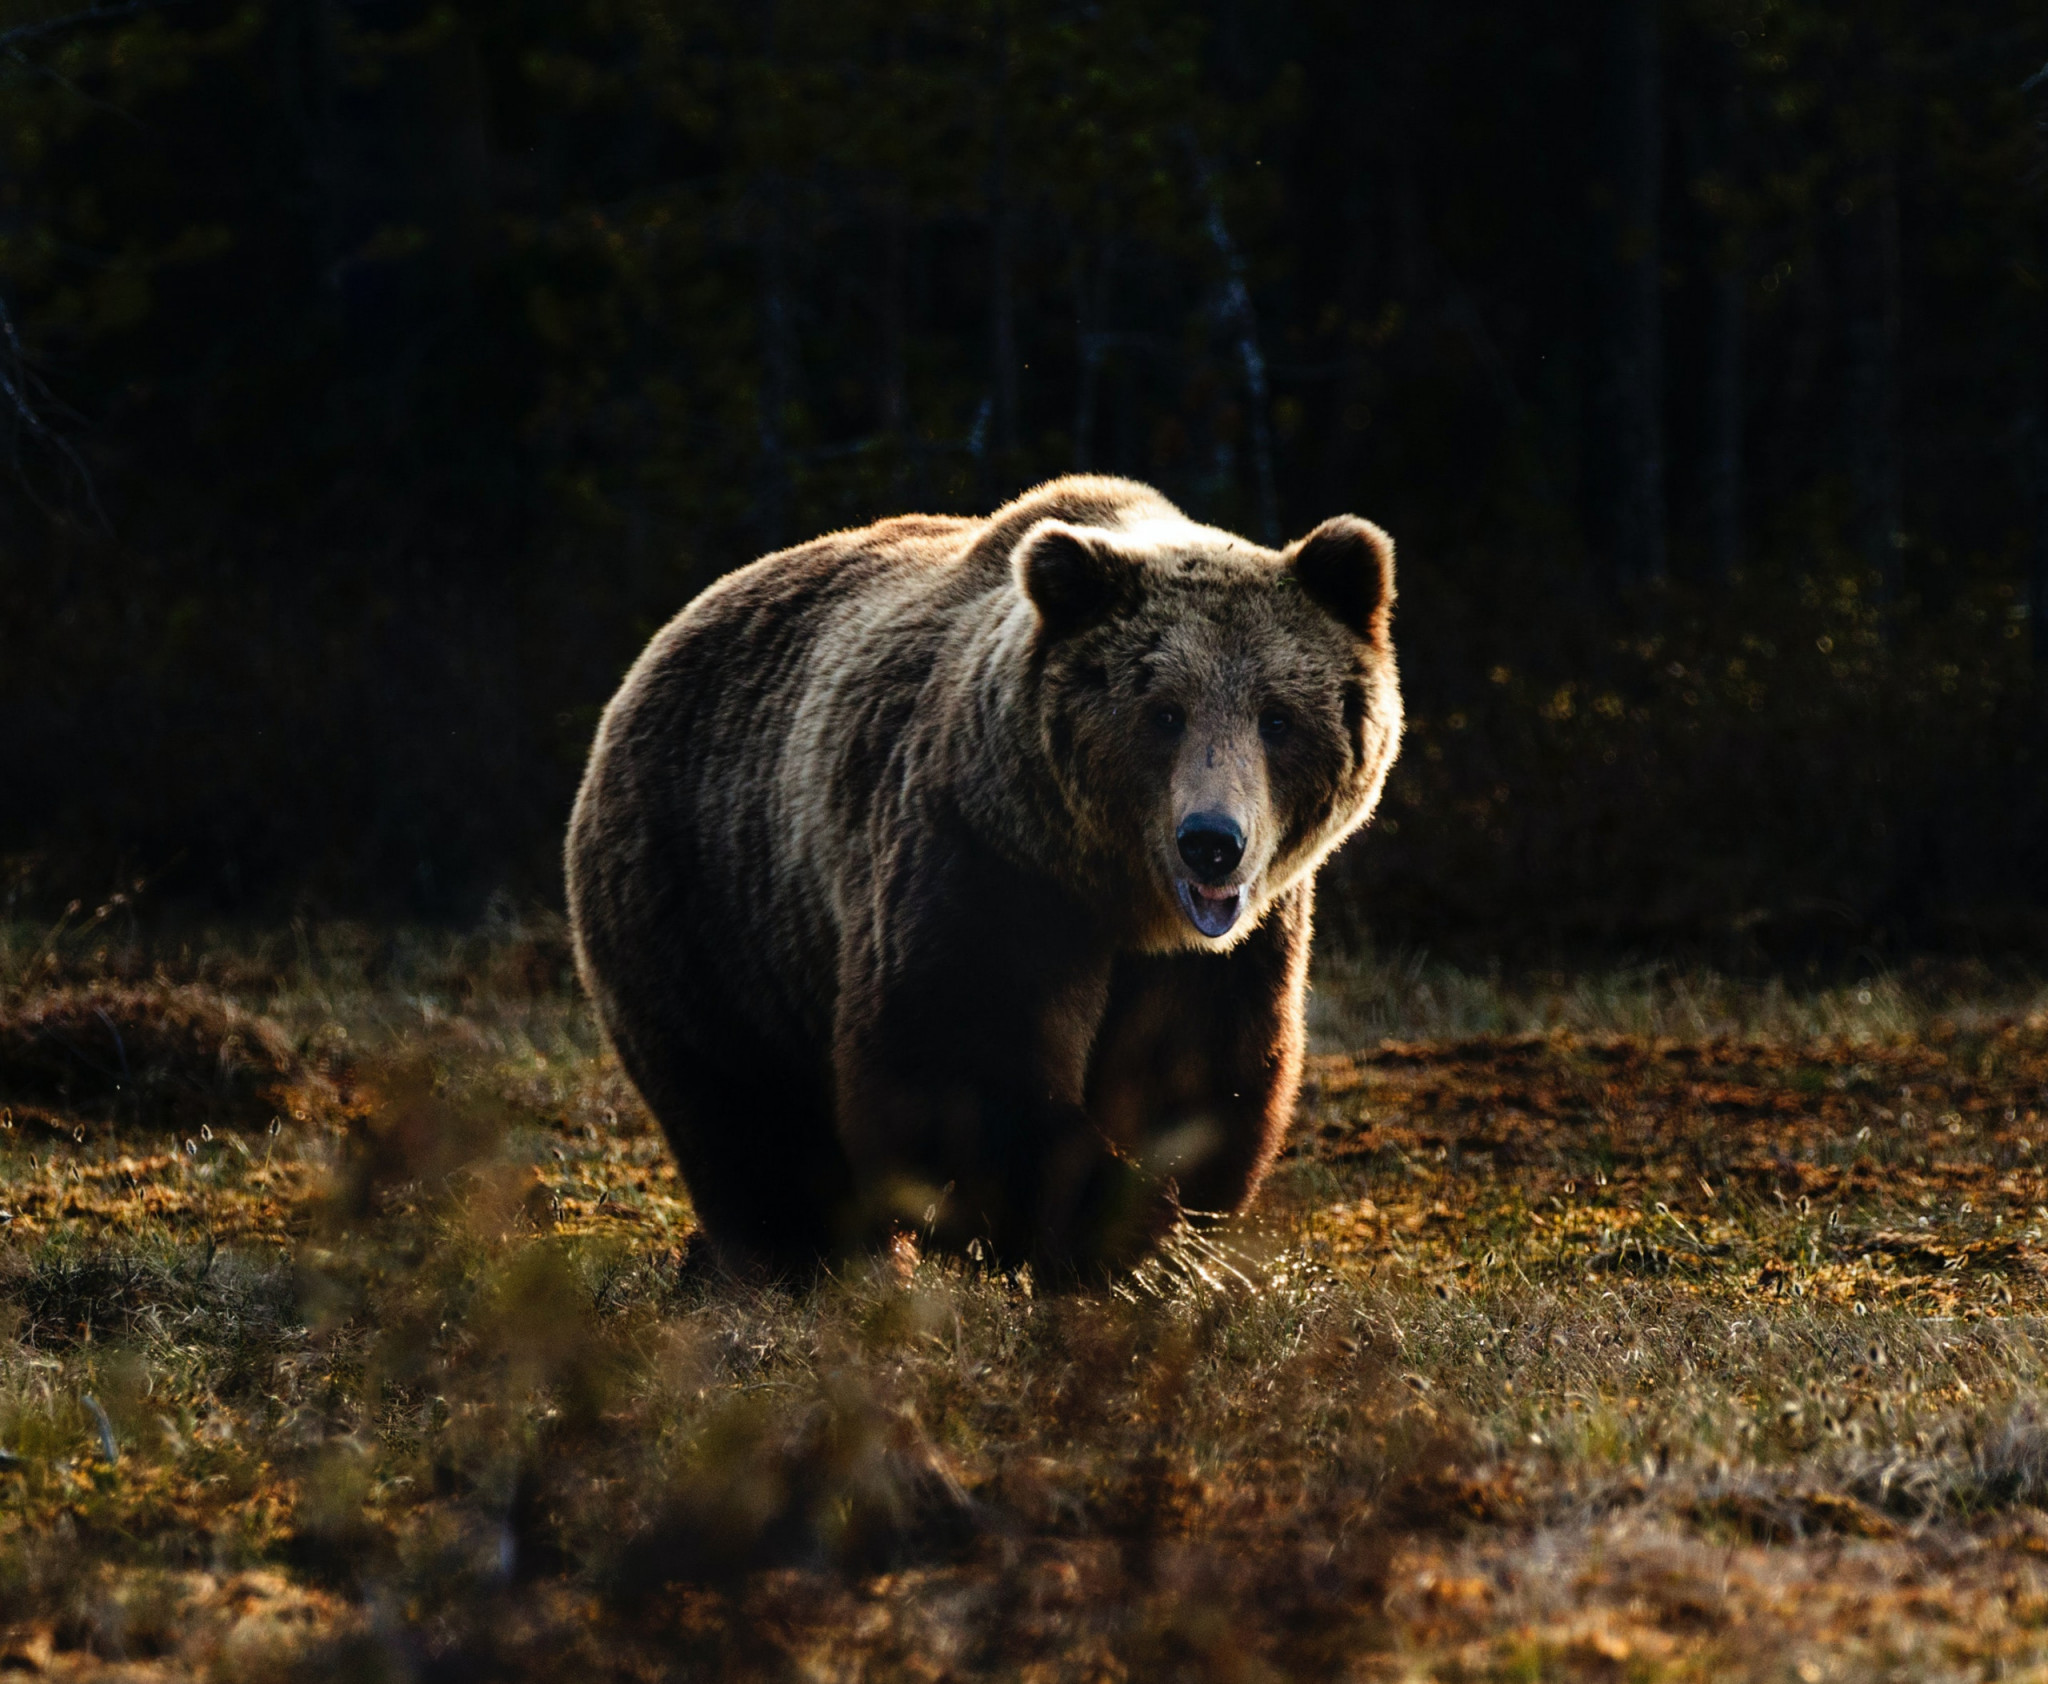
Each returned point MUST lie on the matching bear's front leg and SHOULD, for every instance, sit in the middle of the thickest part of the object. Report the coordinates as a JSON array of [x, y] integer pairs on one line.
[[967, 1006], [1197, 1065]]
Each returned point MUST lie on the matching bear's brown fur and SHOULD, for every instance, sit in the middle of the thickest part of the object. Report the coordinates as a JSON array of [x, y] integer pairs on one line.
[[895, 866]]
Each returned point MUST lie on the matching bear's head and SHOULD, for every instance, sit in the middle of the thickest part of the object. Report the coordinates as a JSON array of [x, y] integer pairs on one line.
[[1216, 716]]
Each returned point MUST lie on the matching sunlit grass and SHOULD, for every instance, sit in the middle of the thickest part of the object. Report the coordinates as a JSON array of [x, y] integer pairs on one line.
[[1627, 1325], [1362, 998]]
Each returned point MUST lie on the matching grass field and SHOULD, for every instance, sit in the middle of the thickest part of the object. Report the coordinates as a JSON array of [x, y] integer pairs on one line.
[[1635, 1326]]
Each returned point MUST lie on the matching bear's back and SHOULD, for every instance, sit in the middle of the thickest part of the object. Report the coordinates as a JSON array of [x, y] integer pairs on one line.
[[684, 824], [736, 765]]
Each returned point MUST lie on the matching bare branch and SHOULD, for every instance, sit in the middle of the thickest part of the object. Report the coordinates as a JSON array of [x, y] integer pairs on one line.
[[27, 397], [22, 35], [24, 398]]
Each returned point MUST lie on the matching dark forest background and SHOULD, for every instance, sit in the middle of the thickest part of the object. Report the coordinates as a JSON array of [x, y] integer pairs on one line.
[[379, 374]]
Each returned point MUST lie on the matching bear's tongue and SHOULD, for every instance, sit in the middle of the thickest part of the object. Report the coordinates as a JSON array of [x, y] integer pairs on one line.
[[1212, 911]]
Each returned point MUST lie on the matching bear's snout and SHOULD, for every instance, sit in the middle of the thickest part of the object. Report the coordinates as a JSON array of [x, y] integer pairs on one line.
[[1211, 844], [1212, 847]]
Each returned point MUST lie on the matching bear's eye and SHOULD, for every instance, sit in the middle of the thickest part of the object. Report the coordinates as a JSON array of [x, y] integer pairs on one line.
[[1169, 720], [1274, 723]]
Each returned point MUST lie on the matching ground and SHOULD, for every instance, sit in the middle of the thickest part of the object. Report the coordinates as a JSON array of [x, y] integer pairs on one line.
[[1626, 1326]]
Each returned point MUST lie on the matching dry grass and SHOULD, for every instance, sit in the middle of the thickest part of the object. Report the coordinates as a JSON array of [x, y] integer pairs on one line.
[[1633, 1326]]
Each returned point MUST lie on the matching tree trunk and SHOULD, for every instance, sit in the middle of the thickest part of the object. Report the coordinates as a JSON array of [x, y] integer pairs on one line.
[[1405, 67], [1721, 479], [1003, 330], [2034, 429], [1723, 467], [893, 387], [777, 369], [1002, 277], [2037, 581], [1870, 388], [1091, 344], [1362, 106], [2032, 458], [1243, 318], [1625, 430]]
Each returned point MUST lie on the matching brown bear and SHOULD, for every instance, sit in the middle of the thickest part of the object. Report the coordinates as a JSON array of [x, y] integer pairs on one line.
[[955, 875]]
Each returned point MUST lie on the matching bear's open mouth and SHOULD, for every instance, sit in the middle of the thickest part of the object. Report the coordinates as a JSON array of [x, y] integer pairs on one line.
[[1212, 911]]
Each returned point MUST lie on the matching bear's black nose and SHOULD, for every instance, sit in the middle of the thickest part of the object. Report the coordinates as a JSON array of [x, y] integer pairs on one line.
[[1211, 844]]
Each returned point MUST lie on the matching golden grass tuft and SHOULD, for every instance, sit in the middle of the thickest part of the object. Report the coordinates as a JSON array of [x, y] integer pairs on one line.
[[152, 1056]]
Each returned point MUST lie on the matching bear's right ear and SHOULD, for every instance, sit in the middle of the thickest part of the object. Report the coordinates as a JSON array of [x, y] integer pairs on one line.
[[1072, 575]]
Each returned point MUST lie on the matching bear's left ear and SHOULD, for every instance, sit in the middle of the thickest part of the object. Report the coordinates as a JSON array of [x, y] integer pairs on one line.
[[1072, 575], [1347, 565]]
